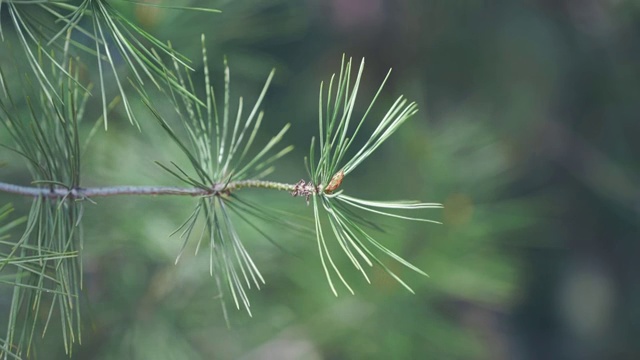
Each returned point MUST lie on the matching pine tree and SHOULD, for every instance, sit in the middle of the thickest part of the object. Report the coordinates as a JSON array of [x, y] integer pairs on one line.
[[43, 109]]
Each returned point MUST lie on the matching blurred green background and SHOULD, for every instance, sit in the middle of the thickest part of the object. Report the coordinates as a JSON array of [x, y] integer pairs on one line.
[[527, 133]]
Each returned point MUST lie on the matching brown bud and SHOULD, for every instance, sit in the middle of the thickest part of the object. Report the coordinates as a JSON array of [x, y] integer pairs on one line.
[[335, 182]]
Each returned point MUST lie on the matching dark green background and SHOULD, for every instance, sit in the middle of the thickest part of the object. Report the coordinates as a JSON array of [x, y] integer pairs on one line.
[[527, 133]]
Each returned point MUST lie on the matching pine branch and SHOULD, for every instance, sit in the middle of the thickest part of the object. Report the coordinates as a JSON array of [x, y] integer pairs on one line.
[[224, 155], [82, 193]]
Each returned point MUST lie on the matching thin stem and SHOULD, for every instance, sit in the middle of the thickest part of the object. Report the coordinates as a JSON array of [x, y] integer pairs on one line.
[[80, 193]]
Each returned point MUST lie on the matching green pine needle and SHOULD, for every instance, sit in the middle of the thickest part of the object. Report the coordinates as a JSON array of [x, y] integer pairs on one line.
[[337, 133], [113, 35], [219, 146], [44, 264]]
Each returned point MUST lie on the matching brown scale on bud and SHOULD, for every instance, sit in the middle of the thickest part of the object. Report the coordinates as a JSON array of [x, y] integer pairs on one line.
[[335, 182]]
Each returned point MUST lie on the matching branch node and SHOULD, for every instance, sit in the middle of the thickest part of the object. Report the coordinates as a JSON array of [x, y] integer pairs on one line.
[[306, 189]]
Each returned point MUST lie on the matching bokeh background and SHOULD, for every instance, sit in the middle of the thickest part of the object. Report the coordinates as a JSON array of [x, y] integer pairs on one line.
[[527, 133]]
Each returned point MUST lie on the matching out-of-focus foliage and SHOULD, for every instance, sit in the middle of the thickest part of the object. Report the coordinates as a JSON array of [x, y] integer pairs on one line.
[[526, 132]]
